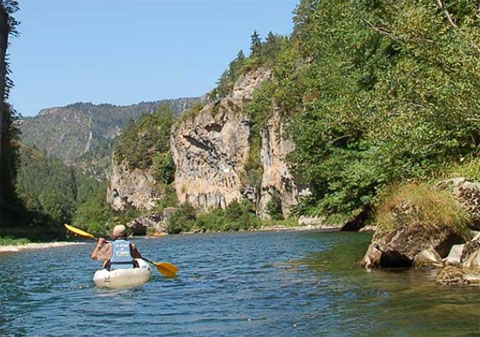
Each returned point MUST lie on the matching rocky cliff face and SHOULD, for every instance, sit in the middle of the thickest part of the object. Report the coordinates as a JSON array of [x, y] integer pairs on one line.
[[277, 176], [210, 149], [132, 187]]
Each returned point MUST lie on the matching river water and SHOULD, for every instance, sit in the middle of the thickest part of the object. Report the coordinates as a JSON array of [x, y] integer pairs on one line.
[[234, 284]]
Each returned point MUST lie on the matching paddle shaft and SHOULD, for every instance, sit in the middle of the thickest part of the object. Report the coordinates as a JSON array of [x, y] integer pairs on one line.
[[164, 268]]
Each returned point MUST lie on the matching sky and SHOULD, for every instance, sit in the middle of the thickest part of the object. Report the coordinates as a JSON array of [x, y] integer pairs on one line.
[[127, 51]]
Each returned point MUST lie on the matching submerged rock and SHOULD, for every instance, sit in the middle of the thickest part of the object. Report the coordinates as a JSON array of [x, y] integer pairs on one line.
[[451, 275]]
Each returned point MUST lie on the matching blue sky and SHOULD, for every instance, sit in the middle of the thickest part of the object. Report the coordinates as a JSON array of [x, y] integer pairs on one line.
[[125, 51]]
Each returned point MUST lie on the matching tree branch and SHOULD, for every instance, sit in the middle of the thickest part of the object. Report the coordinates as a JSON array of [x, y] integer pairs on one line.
[[441, 4]]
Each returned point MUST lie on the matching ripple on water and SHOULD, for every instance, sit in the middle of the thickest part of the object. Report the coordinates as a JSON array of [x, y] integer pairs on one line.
[[242, 284]]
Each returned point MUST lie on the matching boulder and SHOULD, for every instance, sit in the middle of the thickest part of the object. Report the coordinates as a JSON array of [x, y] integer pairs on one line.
[[369, 228], [472, 263], [372, 258], [399, 247], [157, 221], [428, 259], [451, 275], [454, 258], [469, 248]]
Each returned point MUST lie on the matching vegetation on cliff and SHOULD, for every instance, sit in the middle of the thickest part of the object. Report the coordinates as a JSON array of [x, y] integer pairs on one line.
[[146, 143], [77, 129], [237, 216], [378, 93]]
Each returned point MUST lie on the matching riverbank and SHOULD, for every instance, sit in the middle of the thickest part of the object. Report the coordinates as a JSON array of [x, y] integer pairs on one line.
[[13, 248]]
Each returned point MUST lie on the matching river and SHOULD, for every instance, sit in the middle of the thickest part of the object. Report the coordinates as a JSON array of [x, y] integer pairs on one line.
[[233, 284]]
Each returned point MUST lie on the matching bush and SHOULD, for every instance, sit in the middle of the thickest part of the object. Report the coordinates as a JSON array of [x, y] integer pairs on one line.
[[183, 220]]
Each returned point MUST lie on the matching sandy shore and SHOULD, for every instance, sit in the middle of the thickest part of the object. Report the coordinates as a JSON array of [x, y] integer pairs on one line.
[[281, 228], [29, 246]]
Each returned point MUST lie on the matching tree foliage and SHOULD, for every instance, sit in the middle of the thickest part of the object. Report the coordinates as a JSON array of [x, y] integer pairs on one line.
[[142, 140]]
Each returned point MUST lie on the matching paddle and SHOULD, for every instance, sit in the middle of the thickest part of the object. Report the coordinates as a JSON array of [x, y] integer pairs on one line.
[[165, 268]]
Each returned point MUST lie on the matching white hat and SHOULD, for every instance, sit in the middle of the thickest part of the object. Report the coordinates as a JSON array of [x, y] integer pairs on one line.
[[119, 230]]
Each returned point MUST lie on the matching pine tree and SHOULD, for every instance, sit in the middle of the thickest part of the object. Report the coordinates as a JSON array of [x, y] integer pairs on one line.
[[256, 43]]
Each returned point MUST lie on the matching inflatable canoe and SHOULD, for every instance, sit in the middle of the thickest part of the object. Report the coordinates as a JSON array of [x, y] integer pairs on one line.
[[119, 278]]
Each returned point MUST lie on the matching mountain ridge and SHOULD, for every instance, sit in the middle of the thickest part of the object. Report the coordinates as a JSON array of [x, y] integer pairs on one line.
[[72, 131]]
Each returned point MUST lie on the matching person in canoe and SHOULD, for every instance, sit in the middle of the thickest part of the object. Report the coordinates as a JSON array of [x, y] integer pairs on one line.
[[118, 253]]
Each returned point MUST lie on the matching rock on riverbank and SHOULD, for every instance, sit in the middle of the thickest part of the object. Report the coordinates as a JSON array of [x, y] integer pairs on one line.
[[439, 245]]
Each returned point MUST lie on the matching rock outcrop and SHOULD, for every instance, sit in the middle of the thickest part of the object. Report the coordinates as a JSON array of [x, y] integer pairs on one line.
[[132, 187], [156, 222], [210, 151], [277, 177]]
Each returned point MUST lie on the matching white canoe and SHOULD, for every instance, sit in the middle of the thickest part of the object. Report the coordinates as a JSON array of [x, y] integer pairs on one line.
[[120, 278]]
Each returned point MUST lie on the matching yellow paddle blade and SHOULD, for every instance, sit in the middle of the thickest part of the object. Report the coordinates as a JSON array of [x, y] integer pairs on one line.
[[167, 269], [79, 232]]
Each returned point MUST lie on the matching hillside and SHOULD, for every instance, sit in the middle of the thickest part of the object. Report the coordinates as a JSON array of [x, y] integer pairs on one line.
[[74, 130], [362, 97]]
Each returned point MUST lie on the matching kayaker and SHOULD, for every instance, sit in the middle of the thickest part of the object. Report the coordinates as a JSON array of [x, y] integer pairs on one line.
[[118, 253]]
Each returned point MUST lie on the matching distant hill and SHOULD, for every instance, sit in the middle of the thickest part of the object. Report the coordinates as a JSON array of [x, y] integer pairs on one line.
[[81, 134]]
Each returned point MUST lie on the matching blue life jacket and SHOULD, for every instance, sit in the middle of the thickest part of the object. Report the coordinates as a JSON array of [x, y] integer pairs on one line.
[[121, 256]]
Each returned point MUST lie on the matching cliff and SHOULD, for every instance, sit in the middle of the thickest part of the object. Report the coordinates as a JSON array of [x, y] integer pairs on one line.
[[132, 187], [211, 149], [277, 177]]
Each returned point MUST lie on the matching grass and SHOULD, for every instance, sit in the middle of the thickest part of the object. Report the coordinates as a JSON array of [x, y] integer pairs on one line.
[[420, 203], [468, 168], [12, 241]]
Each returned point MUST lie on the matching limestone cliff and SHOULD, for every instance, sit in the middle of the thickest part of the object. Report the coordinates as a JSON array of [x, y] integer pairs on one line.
[[277, 176], [211, 147], [132, 187]]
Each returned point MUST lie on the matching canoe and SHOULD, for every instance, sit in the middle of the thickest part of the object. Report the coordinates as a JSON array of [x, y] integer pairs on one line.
[[120, 278]]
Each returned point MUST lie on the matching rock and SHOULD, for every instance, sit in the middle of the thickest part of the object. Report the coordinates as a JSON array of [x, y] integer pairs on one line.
[[468, 193], [372, 258], [311, 221], [133, 187], [156, 221], [277, 176], [211, 149], [428, 259], [370, 228], [454, 258], [469, 248], [450, 275], [400, 246], [247, 83], [472, 263]]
